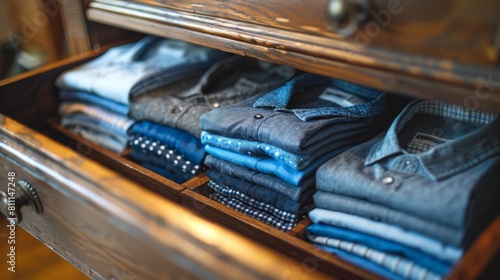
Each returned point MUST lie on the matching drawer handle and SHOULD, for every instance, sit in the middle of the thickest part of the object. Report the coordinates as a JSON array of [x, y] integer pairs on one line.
[[25, 195], [346, 15]]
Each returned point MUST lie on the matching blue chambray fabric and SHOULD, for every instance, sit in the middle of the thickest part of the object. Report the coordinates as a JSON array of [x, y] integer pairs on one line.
[[228, 81], [294, 118], [459, 165], [255, 213], [154, 152], [97, 135], [254, 148], [98, 125], [92, 99], [95, 116], [134, 68], [361, 262], [271, 166], [186, 144], [396, 264], [262, 194], [427, 261], [271, 182], [447, 253], [377, 212], [230, 192]]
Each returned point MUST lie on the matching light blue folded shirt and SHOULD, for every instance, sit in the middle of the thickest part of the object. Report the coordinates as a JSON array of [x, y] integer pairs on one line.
[[118, 72], [271, 166], [261, 149], [393, 233]]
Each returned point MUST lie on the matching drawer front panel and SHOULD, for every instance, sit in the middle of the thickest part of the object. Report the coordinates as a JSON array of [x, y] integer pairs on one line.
[[91, 240], [110, 227], [460, 30]]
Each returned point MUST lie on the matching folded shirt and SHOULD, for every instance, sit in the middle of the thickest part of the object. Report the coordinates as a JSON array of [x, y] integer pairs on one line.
[[154, 152], [380, 213], [396, 264], [254, 148], [135, 68], [447, 253], [420, 258], [215, 187], [248, 210], [100, 126], [262, 179], [272, 166], [303, 115], [437, 161], [228, 81], [92, 99], [263, 194], [98, 136], [94, 116], [361, 262], [170, 138]]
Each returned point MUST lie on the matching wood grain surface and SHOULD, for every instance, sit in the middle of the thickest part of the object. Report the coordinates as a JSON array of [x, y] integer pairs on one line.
[[459, 30], [110, 227], [34, 260], [393, 71]]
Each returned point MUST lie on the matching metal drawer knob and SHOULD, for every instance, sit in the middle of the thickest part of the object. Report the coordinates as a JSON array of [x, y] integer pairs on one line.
[[25, 194], [346, 15]]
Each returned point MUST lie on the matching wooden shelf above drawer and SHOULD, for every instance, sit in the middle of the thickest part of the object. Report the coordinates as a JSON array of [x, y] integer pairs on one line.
[[393, 70]]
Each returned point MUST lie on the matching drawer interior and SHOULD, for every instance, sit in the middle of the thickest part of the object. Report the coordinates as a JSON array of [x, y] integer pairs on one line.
[[32, 99]]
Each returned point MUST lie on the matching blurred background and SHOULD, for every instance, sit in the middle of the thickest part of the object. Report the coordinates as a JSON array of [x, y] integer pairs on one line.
[[32, 33]]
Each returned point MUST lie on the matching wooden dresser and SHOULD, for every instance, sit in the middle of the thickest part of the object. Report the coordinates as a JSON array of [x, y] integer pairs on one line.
[[113, 219]]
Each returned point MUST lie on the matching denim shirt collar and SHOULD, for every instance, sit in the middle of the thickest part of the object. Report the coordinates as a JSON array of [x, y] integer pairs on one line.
[[449, 158], [243, 86], [279, 98]]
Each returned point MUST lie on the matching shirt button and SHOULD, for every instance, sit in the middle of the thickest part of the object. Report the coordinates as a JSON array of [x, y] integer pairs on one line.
[[407, 162], [216, 105], [388, 180], [176, 110], [258, 116]]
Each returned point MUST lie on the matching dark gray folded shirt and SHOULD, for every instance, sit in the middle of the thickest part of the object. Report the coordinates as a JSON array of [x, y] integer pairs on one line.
[[438, 162], [229, 81]]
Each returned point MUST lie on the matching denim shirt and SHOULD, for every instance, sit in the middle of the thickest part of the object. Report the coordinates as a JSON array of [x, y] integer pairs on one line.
[[254, 148], [297, 117], [425, 260], [137, 67], [447, 253], [145, 150], [437, 161], [229, 81], [97, 115], [380, 213], [269, 181], [180, 141], [260, 193], [92, 99], [271, 166]]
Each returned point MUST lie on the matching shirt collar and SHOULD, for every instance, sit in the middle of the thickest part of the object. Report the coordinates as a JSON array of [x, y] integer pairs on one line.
[[448, 158], [279, 98]]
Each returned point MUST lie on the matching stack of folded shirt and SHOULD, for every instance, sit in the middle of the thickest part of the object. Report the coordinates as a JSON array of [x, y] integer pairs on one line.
[[176, 107], [264, 151], [408, 202], [96, 94]]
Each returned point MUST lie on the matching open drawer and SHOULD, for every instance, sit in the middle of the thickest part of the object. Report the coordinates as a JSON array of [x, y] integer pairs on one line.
[[113, 219], [100, 221]]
